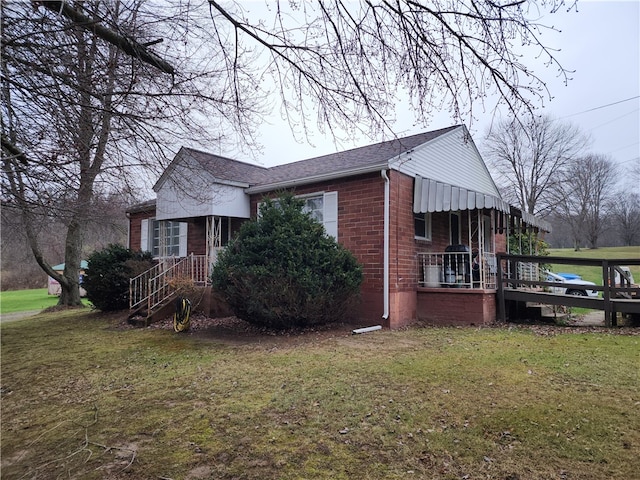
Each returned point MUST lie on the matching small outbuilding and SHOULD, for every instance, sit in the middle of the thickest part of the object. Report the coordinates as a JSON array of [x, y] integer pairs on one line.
[[54, 287]]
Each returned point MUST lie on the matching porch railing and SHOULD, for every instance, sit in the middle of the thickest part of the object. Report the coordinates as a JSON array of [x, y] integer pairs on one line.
[[161, 281], [457, 270]]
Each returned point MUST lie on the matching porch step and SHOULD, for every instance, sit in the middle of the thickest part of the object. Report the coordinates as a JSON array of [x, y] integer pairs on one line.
[[143, 318]]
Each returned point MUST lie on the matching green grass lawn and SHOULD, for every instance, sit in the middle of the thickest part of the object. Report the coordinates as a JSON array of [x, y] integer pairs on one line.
[[25, 300], [84, 398], [594, 274]]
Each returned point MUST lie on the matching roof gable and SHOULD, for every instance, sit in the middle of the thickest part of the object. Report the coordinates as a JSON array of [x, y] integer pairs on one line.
[[218, 169], [348, 162], [451, 158], [446, 155]]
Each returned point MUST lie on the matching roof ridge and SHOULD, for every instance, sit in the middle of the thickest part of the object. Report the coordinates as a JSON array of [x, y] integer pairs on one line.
[[222, 157], [434, 133]]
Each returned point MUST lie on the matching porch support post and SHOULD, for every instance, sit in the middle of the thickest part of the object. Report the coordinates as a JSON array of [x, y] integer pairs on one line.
[[481, 249], [502, 310]]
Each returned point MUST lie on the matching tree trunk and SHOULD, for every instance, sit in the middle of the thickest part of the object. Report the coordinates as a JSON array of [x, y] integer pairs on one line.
[[70, 287]]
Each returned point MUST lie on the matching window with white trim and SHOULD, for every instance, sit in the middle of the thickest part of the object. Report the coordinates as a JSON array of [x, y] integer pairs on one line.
[[422, 226], [163, 238], [323, 208], [315, 206]]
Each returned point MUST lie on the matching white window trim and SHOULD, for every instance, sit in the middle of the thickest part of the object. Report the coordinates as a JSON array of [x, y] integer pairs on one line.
[[329, 210], [146, 238], [428, 227]]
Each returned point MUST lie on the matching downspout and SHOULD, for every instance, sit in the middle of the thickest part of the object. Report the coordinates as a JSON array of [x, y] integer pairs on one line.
[[385, 287]]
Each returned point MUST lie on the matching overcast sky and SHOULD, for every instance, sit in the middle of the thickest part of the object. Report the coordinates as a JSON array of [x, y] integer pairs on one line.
[[600, 41]]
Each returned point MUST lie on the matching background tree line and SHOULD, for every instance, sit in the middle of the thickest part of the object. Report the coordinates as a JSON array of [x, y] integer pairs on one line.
[[544, 168], [19, 268]]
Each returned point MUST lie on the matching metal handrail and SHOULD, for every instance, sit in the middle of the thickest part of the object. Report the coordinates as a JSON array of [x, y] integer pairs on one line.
[[457, 270], [153, 286]]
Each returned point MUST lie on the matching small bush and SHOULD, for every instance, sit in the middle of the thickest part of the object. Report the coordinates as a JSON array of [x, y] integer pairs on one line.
[[108, 273], [283, 271]]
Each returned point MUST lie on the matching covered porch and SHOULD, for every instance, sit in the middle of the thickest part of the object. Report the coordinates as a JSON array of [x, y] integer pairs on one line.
[[457, 283]]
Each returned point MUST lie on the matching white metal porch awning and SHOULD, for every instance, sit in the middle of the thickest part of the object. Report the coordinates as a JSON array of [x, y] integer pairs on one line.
[[433, 196]]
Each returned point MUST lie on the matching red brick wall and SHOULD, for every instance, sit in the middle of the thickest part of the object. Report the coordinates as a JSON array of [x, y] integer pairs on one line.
[[361, 229], [456, 306], [197, 236]]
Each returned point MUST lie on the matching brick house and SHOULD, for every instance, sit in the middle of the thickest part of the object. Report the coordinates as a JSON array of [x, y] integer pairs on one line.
[[421, 213]]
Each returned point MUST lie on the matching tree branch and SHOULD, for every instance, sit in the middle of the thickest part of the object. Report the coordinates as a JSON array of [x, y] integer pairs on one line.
[[127, 45]]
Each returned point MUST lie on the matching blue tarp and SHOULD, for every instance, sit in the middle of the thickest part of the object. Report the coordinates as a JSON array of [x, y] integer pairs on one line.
[[570, 276]]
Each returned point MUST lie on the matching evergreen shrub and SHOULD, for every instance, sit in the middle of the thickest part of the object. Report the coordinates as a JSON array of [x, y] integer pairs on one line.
[[108, 273], [282, 270]]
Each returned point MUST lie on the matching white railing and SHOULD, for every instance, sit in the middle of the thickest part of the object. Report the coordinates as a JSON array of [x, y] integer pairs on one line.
[[457, 270], [162, 280]]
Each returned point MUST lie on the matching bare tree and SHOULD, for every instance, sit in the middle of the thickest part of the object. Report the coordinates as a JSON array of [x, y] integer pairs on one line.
[[624, 209], [81, 116], [588, 187], [348, 61], [530, 160]]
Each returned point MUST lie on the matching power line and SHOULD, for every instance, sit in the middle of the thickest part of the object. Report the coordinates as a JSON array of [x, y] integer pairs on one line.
[[602, 106]]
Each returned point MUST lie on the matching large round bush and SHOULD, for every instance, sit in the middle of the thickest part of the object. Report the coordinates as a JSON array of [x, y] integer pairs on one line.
[[283, 271], [108, 273]]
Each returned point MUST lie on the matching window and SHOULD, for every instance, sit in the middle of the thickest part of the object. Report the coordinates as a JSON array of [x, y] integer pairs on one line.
[[487, 241], [315, 206], [323, 208], [164, 238], [454, 228], [422, 225]]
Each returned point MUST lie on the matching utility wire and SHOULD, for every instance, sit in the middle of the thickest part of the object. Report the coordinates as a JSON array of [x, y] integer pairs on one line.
[[602, 106]]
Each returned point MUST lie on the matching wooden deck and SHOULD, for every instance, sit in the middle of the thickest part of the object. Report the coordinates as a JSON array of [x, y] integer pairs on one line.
[[614, 299]]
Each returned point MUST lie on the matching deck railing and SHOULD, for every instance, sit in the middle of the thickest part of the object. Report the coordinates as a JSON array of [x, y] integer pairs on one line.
[[457, 270], [517, 282], [160, 282]]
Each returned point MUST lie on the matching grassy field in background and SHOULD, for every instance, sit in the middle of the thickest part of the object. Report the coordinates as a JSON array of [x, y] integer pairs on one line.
[[85, 398], [25, 300], [594, 274]]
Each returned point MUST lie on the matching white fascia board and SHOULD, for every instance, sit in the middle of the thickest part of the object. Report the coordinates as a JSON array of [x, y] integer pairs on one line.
[[231, 183], [167, 171], [316, 178]]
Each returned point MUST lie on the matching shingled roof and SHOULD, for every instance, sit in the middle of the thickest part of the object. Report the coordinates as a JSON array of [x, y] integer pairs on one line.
[[223, 168], [257, 178], [368, 156], [261, 178]]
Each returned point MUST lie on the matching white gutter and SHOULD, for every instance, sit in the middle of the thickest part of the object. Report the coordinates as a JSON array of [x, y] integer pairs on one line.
[[385, 315]]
